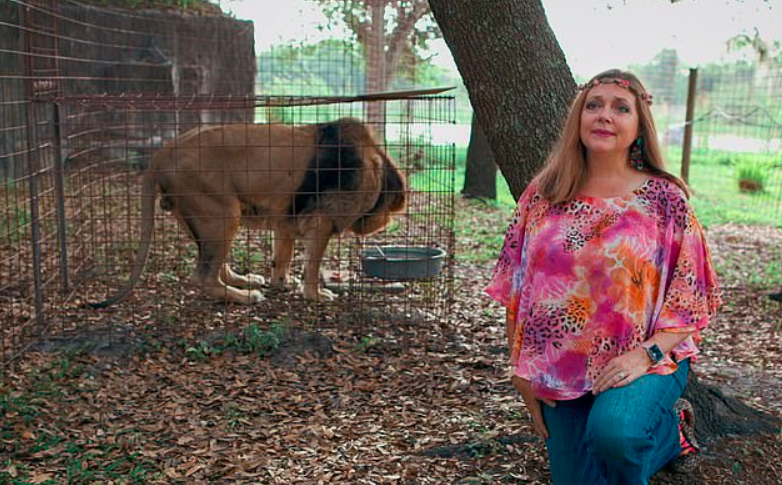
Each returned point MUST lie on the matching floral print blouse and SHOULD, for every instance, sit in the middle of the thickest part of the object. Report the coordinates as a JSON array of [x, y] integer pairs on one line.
[[590, 279]]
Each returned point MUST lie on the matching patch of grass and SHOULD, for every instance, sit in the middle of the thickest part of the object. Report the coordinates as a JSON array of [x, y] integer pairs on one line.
[[18, 405], [716, 195], [15, 225], [202, 351], [252, 340], [480, 225], [367, 343], [235, 416], [481, 449], [480, 230], [88, 460], [437, 176], [255, 340], [752, 177], [112, 467], [66, 368], [23, 406], [394, 228], [433, 180], [717, 198], [758, 268], [770, 276], [13, 473], [262, 342]]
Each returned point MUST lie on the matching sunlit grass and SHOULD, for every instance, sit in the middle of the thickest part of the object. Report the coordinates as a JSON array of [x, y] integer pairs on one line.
[[713, 178], [480, 225], [714, 183]]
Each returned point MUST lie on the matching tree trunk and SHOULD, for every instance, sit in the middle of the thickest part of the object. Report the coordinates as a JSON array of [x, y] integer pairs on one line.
[[376, 68], [719, 416], [520, 87], [519, 83], [480, 178]]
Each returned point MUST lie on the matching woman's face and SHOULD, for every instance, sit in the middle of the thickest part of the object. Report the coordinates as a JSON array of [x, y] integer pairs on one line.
[[609, 120]]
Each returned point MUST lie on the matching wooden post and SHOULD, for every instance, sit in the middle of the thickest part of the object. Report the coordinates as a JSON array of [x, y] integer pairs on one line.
[[687, 145]]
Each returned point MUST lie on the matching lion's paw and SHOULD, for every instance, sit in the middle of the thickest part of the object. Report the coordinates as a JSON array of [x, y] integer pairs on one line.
[[287, 283], [255, 281]]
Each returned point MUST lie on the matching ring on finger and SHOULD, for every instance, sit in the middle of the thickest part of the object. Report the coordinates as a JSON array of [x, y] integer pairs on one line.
[[621, 376]]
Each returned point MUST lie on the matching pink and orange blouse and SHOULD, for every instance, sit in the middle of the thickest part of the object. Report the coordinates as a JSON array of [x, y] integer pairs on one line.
[[592, 278]]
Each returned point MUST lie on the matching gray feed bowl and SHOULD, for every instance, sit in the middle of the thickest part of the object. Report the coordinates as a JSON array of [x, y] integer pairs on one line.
[[402, 262]]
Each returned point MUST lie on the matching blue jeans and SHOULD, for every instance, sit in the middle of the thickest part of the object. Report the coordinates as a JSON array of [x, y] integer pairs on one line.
[[621, 436]]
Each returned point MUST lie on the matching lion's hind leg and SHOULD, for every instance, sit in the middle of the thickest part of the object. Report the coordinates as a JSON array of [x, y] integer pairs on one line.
[[213, 224], [319, 231], [283, 259]]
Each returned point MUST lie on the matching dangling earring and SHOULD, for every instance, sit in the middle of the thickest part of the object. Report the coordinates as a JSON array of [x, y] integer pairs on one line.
[[636, 154]]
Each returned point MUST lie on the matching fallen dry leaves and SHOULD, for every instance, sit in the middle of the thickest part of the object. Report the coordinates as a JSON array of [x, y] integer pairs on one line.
[[418, 403]]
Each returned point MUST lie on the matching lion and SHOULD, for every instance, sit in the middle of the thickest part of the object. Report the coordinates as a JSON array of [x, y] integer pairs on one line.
[[308, 182]]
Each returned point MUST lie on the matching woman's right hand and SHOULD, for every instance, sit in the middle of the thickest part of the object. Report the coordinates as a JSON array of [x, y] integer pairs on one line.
[[524, 387]]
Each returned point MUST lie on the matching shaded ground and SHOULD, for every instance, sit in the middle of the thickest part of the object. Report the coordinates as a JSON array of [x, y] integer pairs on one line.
[[397, 402]]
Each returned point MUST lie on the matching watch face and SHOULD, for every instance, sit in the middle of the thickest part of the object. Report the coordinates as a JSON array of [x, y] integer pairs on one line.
[[655, 353]]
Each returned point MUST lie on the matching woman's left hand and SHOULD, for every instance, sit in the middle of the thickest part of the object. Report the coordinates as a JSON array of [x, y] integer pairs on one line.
[[622, 370]]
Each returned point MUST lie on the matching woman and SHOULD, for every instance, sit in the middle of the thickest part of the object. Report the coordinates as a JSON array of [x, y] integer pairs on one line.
[[608, 282]]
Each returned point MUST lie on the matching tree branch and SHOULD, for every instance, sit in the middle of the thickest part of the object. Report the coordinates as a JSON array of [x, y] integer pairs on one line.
[[400, 37]]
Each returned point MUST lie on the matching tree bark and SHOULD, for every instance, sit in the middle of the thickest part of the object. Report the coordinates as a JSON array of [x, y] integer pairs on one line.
[[480, 177], [719, 416], [520, 88], [376, 67], [516, 74]]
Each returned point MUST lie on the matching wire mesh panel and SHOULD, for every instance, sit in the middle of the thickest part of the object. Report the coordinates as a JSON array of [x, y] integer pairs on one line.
[[736, 145], [735, 163], [241, 179], [267, 209], [349, 47], [30, 228]]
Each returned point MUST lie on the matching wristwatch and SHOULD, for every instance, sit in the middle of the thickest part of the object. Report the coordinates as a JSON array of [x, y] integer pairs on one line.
[[654, 352]]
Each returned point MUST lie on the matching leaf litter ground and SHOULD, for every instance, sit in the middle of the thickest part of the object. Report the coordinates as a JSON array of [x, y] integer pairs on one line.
[[404, 404]]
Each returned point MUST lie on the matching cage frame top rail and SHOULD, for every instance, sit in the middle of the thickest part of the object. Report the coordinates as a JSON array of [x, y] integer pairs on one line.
[[145, 101]]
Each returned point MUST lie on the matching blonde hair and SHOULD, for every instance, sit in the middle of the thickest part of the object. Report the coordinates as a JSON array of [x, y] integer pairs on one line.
[[566, 169]]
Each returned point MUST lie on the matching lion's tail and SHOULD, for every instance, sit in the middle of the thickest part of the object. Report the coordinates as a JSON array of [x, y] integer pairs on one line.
[[147, 228]]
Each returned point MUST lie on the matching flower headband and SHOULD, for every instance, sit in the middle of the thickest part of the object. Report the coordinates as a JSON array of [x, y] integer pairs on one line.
[[646, 97]]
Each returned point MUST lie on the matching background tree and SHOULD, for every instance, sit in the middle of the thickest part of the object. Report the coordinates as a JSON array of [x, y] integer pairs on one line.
[[326, 68], [480, 176], [392, 33], [516, 74], [520, 86], [767, 56]]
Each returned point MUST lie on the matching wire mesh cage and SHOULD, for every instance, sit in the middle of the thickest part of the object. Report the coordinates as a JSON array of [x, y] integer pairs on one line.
[[736, 133], [425, 221], [733, 162], [270, 182]]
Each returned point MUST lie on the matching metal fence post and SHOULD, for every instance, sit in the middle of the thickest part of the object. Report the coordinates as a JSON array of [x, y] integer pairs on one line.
[[687, 145], [33, 167], [59, 185]]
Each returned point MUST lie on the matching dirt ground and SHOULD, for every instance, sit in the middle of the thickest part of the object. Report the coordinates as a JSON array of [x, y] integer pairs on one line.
[[396, 402]]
